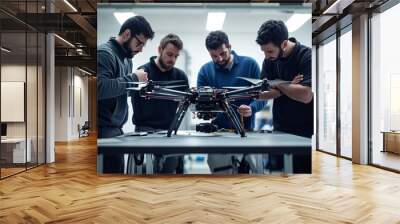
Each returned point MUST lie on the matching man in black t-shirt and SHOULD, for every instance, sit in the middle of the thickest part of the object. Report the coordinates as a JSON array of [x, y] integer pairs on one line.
[[287, 59], [156, 115]]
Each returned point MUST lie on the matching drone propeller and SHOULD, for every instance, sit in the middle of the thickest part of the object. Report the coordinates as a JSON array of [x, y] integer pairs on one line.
[[160, 83], [134, 88], [235, 87], [135, 83], [274, 82], [165, 83], [253, 81], [173, 87]]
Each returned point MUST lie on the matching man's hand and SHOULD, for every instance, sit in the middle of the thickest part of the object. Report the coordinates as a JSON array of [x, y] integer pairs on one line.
[[271, 94], [141, 75], [245, 110], [297, 79]]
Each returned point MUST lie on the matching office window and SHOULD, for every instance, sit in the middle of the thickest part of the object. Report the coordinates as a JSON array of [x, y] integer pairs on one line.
[[327, 96], [15, 149], [346, 93], [22, 90], [385, 88]]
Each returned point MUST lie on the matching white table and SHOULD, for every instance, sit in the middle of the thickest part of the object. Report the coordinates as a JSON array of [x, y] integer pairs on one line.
[[19, 155]]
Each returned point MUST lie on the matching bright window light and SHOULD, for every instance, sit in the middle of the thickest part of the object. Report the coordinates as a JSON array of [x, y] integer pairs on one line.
[[64, 40], [5, 50], [70, 5], [296, 21], [215, 21], [84, 71], [123, 16]]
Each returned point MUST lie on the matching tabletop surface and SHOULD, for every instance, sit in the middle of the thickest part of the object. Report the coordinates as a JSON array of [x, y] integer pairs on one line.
[[193, 140]]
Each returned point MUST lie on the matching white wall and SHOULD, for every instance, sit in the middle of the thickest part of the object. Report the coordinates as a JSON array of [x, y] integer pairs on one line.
[[67, 115]]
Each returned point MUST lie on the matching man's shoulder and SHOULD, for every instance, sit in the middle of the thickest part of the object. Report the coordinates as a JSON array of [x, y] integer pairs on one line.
[[207, 67], [179, 72], [303, 52], [105, 49], [145, 66], [247, 59]]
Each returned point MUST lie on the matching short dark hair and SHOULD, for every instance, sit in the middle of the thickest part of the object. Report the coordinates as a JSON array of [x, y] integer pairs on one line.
[[137, 25], [173, 39], [215, 40], [272, 31]]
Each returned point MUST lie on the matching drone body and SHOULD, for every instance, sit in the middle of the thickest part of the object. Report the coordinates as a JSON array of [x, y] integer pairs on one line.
[[205, 101]]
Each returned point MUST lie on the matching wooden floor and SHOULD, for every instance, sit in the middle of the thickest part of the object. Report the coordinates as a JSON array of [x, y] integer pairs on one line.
[[70, 191]]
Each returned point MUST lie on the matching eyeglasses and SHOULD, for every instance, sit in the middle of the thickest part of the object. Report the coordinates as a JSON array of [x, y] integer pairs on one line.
[[140, 43]]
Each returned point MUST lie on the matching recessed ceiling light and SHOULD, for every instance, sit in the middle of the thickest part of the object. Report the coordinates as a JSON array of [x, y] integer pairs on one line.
[[123, 16], [296, 21], [5, 50], [215, 21], [64, 40], [70, 5]]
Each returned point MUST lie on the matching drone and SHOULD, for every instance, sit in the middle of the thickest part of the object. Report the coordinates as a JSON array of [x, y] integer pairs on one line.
[[205, 101]]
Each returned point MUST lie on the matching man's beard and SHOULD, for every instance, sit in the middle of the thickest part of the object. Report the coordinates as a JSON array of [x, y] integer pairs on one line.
[[129, 52], [223, 65], [280, 55], [163, 65]]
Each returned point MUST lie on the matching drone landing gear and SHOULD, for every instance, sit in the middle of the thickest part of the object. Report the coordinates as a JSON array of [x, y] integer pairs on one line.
[[178, 117], [234, 119]]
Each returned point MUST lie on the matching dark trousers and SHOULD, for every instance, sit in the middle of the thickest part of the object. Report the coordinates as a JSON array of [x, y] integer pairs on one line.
[[164, 163], [112, 163], [301, 163]]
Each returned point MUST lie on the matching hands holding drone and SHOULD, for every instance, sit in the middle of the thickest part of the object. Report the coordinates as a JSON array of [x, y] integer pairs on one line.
[[245, 110], [141, 75], [293, 90]]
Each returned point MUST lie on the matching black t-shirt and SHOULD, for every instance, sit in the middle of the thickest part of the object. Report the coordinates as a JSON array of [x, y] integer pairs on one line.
[[289, 115], [155, 113]]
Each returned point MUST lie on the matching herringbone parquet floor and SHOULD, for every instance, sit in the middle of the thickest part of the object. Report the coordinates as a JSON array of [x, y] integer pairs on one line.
[[69, 191]]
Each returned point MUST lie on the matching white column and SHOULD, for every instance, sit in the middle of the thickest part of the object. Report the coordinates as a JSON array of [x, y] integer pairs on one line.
[[360, 90], [50, 99]]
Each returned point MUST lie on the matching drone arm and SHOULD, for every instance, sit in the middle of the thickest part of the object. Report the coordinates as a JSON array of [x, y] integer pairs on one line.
[[183, 107], [271, 94], [162, 96], [240, 91], [171, 91], [234, 119]]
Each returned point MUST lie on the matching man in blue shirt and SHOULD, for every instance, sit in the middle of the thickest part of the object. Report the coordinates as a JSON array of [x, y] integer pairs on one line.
[[224, 69]]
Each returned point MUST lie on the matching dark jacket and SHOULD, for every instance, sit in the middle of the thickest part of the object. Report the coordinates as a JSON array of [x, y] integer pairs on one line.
[[113, 69], [289, 115], [155, 113]]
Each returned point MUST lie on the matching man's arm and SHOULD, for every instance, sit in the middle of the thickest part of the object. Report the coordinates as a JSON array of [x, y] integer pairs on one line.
[[302, 91], [297, 92], [201, 78], [107, 85], [256, 73]]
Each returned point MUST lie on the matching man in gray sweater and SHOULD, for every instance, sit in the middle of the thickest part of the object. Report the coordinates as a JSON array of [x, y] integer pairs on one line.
[[114, 69]]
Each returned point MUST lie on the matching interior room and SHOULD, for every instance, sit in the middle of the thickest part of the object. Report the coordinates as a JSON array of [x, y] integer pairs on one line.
[[240, 23], [48, 104]]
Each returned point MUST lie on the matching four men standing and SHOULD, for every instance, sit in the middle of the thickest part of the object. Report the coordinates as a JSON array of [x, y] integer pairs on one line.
[[285, 59]]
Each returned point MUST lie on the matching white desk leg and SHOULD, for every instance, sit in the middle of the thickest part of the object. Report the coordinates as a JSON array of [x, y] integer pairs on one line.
[[259, 163], [100, 160], [130, 166], [149, 163], [288, 163]]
